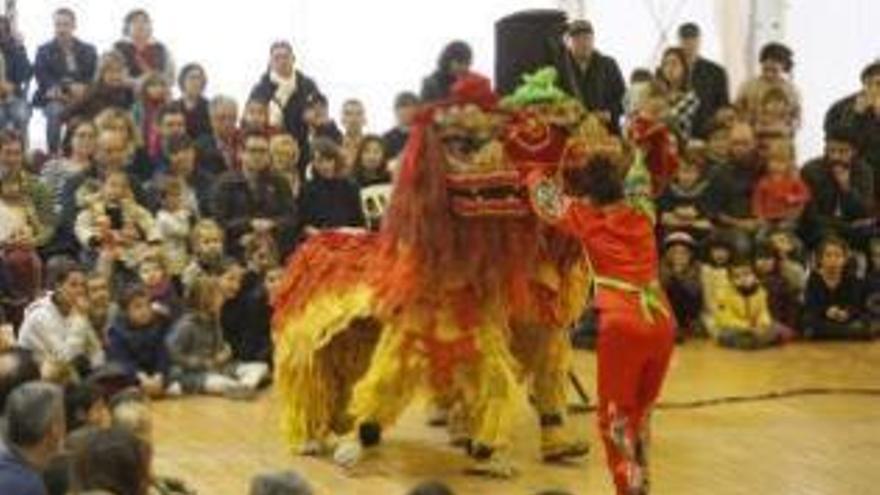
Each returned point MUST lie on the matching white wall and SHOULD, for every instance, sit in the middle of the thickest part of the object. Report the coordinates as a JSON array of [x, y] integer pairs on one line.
[[373, 49]]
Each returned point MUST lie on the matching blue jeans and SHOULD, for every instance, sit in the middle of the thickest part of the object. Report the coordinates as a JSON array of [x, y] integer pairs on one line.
[[52, 111], [15, 113]]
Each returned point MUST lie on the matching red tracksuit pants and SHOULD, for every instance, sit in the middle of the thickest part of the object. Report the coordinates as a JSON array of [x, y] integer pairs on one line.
[[633, 355]]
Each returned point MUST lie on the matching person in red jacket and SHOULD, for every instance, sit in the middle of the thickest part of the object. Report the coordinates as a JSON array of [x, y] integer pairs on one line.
[[636, 325], [780, 196]]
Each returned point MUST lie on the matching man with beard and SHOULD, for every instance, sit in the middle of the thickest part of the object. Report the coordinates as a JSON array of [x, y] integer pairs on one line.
[[842, 187], [732, 187], [254, 199], [860, 115]]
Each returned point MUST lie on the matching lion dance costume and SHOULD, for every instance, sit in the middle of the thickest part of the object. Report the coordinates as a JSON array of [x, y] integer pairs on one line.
[[463, 291]]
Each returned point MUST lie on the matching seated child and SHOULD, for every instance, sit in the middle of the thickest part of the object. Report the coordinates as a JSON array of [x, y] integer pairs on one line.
[[201, 360], [783, 297], [246, 314], [834, 299], [163, 293], [872, 283], [718, 251], [780, 196], [680, 275], [85, 406], [207, 247], [137, 341], [788, 249], [742, 319], [684, 204], [175, 220], [329, 200]]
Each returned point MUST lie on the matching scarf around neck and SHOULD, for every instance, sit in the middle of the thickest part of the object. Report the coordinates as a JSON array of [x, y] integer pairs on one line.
[[285, 88]]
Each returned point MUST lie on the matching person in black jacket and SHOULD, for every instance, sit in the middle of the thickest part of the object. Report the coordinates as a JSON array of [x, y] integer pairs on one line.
[[841, 193], [192, 81], [287, 92], [15, 112], [142, 53], [708, 79], [455, 59], [64, 68], [406, 104], [592, 77], [329, 200], [255, 199], [859, 115]]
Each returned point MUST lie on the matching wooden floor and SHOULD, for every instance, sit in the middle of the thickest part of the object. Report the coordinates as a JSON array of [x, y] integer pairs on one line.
[[812, 445]]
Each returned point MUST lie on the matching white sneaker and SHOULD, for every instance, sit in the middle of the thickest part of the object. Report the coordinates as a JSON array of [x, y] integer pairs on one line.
[[174, 390], [348, 453]]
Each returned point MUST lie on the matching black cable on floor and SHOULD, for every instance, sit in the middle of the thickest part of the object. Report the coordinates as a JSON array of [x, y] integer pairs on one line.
[[739, 399]]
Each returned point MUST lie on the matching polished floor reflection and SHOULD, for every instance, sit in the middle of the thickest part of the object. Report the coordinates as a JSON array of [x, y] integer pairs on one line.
[[805, 445]]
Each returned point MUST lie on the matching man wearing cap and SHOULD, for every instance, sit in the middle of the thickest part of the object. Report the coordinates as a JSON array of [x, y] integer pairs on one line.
[[590, 76], [859, 116], [708, 79]]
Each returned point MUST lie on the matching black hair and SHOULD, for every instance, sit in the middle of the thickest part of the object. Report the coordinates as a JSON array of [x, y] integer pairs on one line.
[[70, 129], [640, 74], [871, 70], [843, 134], [186, 69], [689, 30], [405, 98], [281, 44], [685, 65], [777, 52], [66, 12], [60, 268], [456, 51], [170, 109], [17, 366], [78, 399], [131, 292], [180, 143], [130, 17], [112, 460], [600, 179], [831, 241]]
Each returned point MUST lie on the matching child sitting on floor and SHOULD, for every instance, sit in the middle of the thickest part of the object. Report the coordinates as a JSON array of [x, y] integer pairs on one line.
[[783, 297], [680, 275], [246, 314], [780, 196], [163, 293], [684, 204], [207, 247], [137, 342], [872, 284], [834, 300], [713, 272], [201, 359], [742, 319]]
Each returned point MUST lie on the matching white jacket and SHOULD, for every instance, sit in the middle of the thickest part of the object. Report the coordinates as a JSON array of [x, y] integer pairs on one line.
[[52, 335]]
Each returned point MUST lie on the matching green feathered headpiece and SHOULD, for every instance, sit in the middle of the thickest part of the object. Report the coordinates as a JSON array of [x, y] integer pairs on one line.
[[538, 87]]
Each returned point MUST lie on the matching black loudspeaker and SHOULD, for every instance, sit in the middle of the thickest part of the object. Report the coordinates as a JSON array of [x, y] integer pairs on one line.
[[526, 41]]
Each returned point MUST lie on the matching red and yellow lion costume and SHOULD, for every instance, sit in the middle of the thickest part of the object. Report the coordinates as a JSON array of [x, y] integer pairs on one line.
[[461, 292]]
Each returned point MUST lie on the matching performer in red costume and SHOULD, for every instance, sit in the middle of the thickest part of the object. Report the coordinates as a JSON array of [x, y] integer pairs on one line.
[[636, 326]]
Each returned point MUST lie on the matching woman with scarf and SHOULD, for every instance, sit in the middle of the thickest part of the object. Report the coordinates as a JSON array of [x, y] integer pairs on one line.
[[287, 92], [143, 54]]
